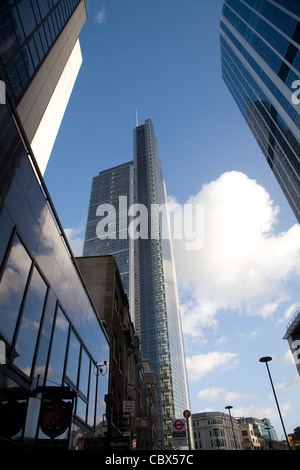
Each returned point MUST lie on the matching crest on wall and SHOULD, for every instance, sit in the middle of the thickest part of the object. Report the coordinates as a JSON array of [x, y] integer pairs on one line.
[[55, 417]]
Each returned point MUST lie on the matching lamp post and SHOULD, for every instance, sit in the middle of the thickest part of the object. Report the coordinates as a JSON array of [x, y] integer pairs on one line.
[[229, 408], [267, 359]]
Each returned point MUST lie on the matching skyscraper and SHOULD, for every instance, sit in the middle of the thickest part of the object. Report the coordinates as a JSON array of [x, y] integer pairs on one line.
[[145, 260], [260, 57], [40, 58]]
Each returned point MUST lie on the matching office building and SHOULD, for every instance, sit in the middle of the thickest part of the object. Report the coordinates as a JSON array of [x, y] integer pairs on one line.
[[260, 61], [40, 58], [292, 335], [146, 264], [51, 336], [214, 430], [107, 187]]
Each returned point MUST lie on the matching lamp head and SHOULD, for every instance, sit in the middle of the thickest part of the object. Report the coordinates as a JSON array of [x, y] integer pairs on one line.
[[265, 359]]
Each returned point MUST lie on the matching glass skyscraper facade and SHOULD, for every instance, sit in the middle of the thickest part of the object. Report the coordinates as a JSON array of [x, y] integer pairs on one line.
[[260, 57], [107, 188], [40, 58], [149, 256]]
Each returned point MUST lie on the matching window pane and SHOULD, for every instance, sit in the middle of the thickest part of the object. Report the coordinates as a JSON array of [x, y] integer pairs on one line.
[[58, 350], [8, 40], [92, 396], [73, 358], [81, 409], [12, 288], [101, 405], [84, 372], [41, 361], [27, 17], [30, 323]]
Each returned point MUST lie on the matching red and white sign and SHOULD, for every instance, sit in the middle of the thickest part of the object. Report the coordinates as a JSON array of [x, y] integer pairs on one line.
[[178, 426], [179, 432], [186, 414], [128, 407]]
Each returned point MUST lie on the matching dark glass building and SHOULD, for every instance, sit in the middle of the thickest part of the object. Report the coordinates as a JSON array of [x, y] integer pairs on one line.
[[292, 335], [52, 340], [260, 57], [39, 60], [123, 197]]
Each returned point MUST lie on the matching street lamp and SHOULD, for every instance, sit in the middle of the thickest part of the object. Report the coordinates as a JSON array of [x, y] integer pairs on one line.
[[267, 359], [229, 408]]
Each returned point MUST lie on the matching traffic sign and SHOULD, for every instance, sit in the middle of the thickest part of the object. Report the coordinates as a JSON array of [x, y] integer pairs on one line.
[[178, 425], [186, 414], [179, 432]]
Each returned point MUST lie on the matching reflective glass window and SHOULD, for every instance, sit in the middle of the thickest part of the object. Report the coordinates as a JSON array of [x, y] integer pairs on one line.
[[38, 44], [8, 40], [81, 409], [27, 16], [100, 405], [73, 358], [14, 80], [58, 350], [92, 395], [84, 373], [33, 52], [45, 336], [30, 323], [12, 288], [28, 61], [44, 9], [17, 25]]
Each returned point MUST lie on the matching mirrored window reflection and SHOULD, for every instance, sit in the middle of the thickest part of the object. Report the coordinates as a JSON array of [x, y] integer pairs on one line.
[[73, 358], [58, 350], [100, 405], [81, 409], [84, 373], [92, 396], [30, 323], [44, 342], [12, 288]]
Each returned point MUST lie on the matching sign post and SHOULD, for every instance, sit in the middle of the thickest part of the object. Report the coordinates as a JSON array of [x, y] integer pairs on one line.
[[179, 432], [187, 415]]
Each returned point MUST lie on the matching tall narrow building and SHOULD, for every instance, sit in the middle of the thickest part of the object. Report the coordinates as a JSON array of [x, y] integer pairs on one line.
[[260, 59], [40, 58], [146, 263]]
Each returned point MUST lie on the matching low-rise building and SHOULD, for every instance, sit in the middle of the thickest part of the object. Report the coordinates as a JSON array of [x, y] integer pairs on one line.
[[131, 410], [216, 431]]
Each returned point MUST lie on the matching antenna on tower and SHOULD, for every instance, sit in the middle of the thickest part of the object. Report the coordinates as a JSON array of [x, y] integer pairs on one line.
[[136, 118]]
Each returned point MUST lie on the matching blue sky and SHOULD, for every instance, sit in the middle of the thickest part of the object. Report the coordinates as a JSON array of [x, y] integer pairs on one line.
[[239, 291]]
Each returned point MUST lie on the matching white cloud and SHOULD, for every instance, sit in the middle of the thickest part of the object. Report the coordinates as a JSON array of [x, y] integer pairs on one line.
[[215, 394], [289, 312], [255, 410], [243, 264], [75, 237], [203, 364], [293, 383], [101, 15]]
